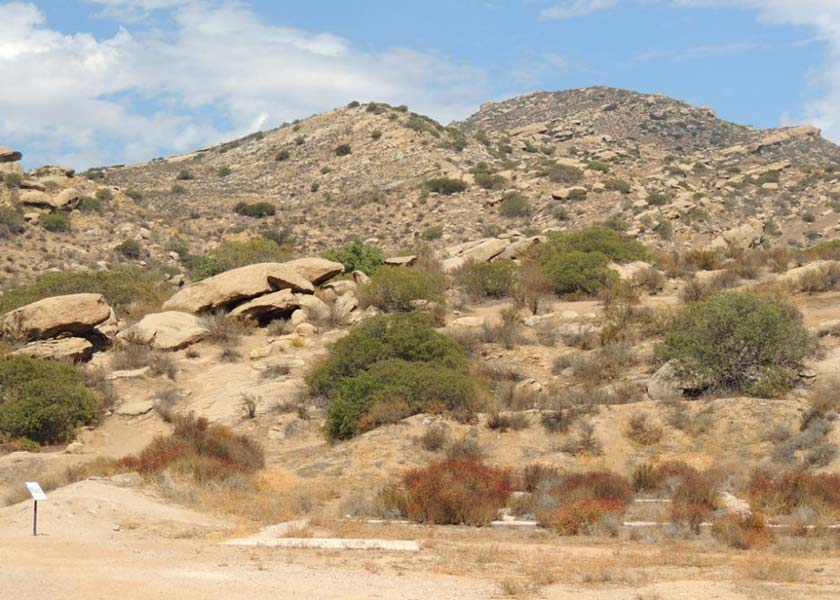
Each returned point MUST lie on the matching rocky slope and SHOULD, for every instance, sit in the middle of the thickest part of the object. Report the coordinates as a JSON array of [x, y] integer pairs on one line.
[[670, 173]]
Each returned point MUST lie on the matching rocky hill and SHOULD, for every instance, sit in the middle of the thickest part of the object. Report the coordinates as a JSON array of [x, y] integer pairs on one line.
[[672, 174]]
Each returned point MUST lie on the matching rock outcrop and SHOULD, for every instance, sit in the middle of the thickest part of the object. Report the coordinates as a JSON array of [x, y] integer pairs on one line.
[[270, 306], [232, 287]]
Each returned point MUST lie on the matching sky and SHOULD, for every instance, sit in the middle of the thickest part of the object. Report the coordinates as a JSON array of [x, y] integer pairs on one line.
[[97, 82]]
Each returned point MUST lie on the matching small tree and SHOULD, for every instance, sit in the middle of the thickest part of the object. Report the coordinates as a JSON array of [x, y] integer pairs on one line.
[[739, 341], [357, 256]]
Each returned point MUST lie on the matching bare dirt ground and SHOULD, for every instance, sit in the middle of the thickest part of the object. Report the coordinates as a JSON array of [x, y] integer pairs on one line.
[[103, 540]]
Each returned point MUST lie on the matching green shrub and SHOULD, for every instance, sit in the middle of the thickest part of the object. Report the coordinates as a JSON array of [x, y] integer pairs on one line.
[[391, 390], [597, 165], [179, 189], [122, 288], [433, 232], [283, 155], [257, 210], [739, 341], [514, 204], [375, 134], [233, 254], [184, 175], [657, 199], [224, 171], [558, 173], [490, 181], [43, 401], [103, 194], [616, 246], [130, 249], [387, 368], [398, 288], [445, 186], [135, 195], [357, 256], [88, 204], [12, 180], [488, 280], [11, 222], [343, 150], [576, 272], [618, 185], [55, 221]]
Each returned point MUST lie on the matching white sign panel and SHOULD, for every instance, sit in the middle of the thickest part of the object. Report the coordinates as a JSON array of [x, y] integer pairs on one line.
[[35, 491]]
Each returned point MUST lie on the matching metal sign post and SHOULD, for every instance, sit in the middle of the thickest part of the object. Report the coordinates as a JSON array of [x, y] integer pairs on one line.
[[37, 495]]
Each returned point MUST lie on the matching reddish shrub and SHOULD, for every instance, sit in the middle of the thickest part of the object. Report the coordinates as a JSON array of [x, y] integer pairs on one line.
[[782, 493], [742, 531], [454, 491], [534, 476], [693, 500], [650, 478], [207, 452], [579, 501]]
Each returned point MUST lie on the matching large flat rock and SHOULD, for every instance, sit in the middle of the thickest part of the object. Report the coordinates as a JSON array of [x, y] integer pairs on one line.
[[237, 285], [65, 349], [316, 270], [76, 314]]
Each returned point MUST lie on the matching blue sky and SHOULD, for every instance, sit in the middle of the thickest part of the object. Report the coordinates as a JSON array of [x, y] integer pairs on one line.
[[107, 81]]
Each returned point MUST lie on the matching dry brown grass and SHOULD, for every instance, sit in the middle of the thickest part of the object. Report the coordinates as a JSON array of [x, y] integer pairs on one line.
[[760, 567]]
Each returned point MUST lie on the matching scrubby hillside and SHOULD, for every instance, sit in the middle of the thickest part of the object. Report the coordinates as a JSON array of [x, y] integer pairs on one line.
[[672, 174]]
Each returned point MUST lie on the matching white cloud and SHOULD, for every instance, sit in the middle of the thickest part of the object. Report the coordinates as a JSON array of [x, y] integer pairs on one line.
[[213, 72], [823, 16], [575, 8]]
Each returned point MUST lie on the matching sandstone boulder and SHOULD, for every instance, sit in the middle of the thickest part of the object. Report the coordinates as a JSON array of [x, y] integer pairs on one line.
[[316, 309], [629, 270], [401, 261], [76, 314], [361, 278], [169, 330], [315, 270], [7, 155], [344, 306], [234, 286], [66, 349], [36, 198], [341, 287], [668, 383], [67, 199], [270, 306], [484, 250], [520, 248]]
